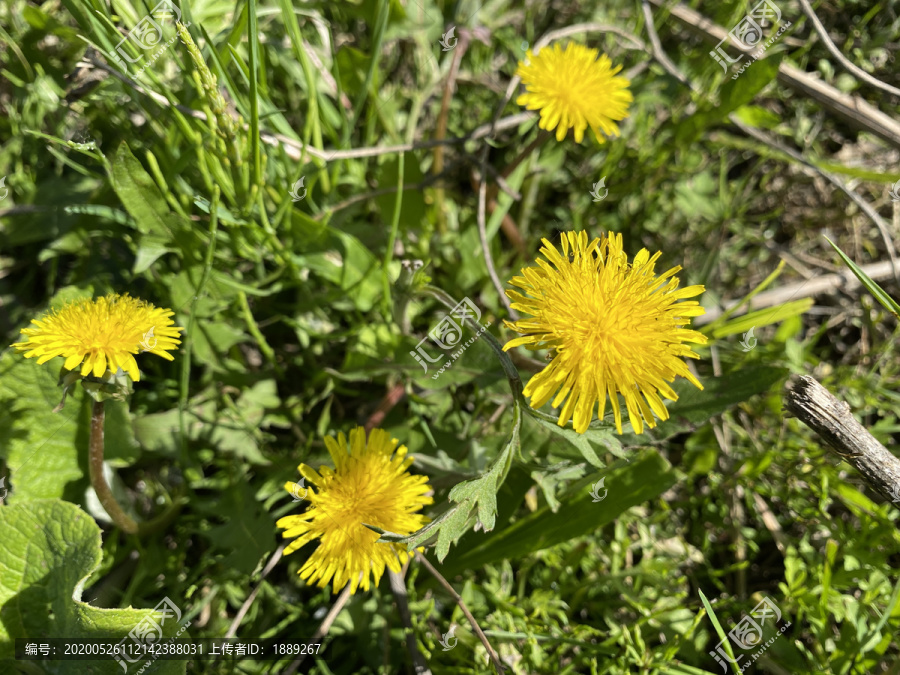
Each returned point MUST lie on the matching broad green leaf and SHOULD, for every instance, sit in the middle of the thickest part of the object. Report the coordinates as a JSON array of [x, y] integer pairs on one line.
[[183, 288], [733, 95], [151, 249], [877, 291], [212, 340], [246, 534], [763, 317], [39, 446], [757, 116], [50, 549], [46, 451], [344, 261], [628, 483], [120, 446], [161, 432], [695, 406], [141, 197]]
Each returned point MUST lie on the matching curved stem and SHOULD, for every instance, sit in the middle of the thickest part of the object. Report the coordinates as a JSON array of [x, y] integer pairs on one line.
[[515, 382], [98, 480], [495, 658]]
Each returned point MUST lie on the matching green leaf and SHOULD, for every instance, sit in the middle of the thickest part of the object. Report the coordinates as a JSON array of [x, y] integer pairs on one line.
[[877, 291], [120, 446], [556, 475], [695, 407], [629, 484], [253, 40], [247, 534], [420, 537], [141, 197], [602, 436], [38, 445], [888, 178], [763, 317], [151, 249], [757, 116], [746, 299], [452, 528], [50, 549], [734, 94], [212, 341], [719, 631], [479, 493], [222, 430]]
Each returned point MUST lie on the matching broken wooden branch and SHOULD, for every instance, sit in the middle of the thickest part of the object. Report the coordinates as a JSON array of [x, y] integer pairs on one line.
[[834, 423]]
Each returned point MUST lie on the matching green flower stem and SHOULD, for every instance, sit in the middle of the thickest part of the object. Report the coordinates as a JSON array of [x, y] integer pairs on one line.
[[512, 374], [104, 493], [98, 480], [252, 326], [392, 237]]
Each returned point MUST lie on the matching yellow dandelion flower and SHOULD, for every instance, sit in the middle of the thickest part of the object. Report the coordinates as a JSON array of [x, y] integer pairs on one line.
[[102, 333], [574, 89], [615, 327], [369, 484]]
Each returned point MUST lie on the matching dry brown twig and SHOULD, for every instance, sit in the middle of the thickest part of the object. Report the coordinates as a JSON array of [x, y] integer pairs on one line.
[[834, 423], [840, 58], [495, 658], [324, 627], [826, 283], [232, 630], [852, 109], [708, 28]]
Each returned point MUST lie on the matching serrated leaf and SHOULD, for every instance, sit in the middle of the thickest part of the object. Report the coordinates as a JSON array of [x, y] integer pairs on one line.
[[629, 483], [50, 549], [246, 535], [555, 475], [419, 537], [452, 529], [603, 436], [480, 493]]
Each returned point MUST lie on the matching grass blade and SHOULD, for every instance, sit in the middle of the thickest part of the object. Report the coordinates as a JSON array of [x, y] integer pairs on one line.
[[877, 291]]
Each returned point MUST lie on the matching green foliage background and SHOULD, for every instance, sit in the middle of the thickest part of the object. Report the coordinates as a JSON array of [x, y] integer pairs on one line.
[[300, 319]]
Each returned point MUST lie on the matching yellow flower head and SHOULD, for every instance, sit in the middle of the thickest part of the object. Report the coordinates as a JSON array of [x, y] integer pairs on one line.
[[369, 484], [616, 328], [574, 89], [102, 333]]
